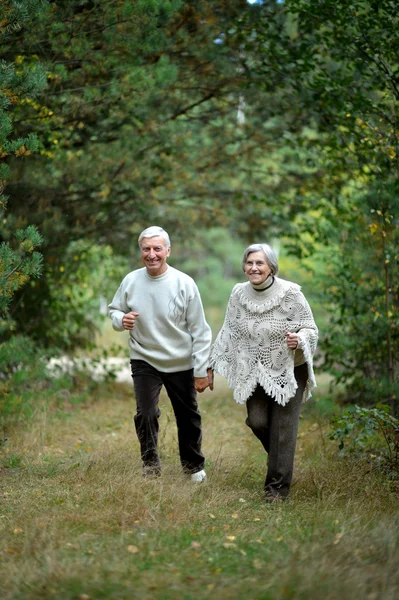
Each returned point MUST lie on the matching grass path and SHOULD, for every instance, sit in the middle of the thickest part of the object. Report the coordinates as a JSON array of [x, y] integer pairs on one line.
[[78, 520]]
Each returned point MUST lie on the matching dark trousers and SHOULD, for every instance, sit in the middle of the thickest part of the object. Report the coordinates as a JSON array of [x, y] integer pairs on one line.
[[179, 386], [276, 427]]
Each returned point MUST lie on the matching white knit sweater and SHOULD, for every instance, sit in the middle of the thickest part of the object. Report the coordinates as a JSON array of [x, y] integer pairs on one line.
[[171, 332], [251, 348]]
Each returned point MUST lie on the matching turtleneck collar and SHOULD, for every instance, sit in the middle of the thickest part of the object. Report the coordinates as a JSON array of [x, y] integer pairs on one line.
[[265, 285]]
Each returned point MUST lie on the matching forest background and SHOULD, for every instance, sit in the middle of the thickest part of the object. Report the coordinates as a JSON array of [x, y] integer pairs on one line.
[[227, 123]]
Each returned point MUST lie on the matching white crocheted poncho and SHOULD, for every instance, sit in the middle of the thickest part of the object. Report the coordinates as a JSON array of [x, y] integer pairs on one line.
[[251, 348]]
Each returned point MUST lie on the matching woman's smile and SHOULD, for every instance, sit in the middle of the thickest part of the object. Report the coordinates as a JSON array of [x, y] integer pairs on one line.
[[256, 268]]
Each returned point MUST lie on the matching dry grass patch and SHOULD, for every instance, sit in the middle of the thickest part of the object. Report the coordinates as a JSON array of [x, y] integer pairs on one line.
[[80, 521]]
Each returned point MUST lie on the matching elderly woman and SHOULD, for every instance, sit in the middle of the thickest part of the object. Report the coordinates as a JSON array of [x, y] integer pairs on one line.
[[265, 350]]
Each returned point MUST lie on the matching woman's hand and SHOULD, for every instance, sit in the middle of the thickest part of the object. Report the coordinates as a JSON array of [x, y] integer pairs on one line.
[[210, 378], [292, 340]]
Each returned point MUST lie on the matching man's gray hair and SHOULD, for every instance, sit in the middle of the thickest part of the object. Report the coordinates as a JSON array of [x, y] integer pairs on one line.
[[154, 231], [270, 256]]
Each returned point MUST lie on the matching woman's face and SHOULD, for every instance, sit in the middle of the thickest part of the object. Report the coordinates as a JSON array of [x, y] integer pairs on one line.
[[256, 268]]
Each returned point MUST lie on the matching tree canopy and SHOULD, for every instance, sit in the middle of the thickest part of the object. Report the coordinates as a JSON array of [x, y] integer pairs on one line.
[[273, 120]]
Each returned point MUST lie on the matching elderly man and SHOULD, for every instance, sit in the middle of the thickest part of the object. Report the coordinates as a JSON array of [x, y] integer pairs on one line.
[[169, 345]]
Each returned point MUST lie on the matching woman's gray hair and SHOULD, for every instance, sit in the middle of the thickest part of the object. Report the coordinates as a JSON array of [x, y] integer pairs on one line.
[[154, 231], [270, 256]]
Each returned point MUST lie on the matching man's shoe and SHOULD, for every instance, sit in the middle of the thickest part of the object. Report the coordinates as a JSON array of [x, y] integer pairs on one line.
[[151, 471], [273, 498], [199, 477]]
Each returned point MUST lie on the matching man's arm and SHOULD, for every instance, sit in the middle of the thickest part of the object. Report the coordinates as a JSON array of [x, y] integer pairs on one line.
[[118, 308], [201, 340]]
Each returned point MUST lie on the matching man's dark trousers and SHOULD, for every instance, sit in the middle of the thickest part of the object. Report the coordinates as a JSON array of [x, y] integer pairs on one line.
[[179, 386]]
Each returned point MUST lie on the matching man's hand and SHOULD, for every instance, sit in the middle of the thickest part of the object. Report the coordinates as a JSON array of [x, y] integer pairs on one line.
[[201, 383], [129, 320]]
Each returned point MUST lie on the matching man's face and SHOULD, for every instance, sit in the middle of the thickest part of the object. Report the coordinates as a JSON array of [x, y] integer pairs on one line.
[[154, 254]]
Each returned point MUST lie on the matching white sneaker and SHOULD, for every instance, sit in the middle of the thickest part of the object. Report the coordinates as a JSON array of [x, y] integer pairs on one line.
[[199, 477]]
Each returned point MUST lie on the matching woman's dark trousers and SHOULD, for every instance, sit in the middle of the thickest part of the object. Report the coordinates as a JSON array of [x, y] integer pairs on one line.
[[276, 427], [179, 386]]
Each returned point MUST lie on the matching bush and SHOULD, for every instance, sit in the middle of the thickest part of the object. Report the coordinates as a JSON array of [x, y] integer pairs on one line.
[[21, 368], [372, 432]]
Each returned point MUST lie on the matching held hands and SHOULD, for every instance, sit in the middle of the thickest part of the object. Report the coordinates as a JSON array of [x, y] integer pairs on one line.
[[201, 383], [129, 320], [292, 340]]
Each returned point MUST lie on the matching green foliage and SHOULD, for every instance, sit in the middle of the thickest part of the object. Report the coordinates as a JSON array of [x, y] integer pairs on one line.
[[14, 15], [214, 256], [361, 345], [28, 380], [22, 376], [20, 82], [271, 120], [130, 129], [19, 265], [367, 430], [338, 63], [18, 350], [72, 294]]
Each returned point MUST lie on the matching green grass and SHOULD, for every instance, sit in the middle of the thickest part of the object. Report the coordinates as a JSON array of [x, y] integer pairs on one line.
[[79, 522]]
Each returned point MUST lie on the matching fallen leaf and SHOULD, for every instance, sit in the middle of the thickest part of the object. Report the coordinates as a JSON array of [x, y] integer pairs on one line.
[[228, 545], [195, 544], [234, 516], [230, 537], [338, 538], [211, 516], [133, 549], [17, 530]]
